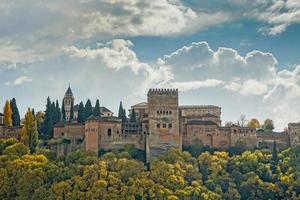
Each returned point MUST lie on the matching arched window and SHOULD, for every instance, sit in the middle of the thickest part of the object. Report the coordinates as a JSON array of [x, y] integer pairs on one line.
[[109, 132]]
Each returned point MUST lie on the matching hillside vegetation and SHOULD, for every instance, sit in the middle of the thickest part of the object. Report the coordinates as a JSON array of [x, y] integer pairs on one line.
[[177, 175]]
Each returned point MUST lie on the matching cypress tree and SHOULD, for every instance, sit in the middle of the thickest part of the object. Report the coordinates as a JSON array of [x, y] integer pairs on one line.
[[53, 113], [48, 122], [29, 134], [124, 117], [16, 119], [57, 110], [275, 158], [72, 112], [7, 112], [63, 111], [33, 112], [133, 116], [88, 109], [96, 111], [80, 117], [121, 111]]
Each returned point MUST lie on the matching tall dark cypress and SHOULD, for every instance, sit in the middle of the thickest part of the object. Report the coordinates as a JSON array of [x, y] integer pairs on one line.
[[48, 122], [15, 112], [72, 112], [80, 117], [53, 113], [88, 109], [57, 111], [96, 111], [275, 158], [121, 111], [133, 116], [124, 116], [63, 111]]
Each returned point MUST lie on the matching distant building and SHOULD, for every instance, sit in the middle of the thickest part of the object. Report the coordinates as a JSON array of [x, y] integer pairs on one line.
[[163, 124], [9, 131]]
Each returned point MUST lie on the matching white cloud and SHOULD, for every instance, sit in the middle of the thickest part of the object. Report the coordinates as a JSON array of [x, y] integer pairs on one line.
[[192, 85], [248, 75], [19, 81]]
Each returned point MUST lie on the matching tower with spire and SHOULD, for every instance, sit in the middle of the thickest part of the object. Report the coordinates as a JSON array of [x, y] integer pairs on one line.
[[68, 103]]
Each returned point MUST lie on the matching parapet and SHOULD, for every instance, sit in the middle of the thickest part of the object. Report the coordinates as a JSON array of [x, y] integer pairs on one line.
[[159, 91]]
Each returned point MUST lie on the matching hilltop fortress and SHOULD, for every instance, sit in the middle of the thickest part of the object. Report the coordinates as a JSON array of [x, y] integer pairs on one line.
[[162, 124]]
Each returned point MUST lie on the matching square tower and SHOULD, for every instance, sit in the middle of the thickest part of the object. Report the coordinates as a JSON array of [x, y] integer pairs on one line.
[[163, 116]]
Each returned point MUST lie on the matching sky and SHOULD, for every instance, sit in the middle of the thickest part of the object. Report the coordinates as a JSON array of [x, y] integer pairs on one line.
[[241, 55]]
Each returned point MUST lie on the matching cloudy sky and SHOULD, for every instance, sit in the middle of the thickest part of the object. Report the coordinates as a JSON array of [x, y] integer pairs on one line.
[[239, 54]]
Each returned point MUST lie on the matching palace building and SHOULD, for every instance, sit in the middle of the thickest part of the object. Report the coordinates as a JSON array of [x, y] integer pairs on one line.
[[162, 124]]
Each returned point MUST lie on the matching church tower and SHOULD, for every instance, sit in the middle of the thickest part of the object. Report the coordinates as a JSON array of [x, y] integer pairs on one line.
[[68, 103]]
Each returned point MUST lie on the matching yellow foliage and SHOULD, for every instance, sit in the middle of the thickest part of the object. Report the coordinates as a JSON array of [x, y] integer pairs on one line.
[[7, 112]]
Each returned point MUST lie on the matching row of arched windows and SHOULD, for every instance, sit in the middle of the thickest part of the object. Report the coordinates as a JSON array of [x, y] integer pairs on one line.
[[164, 112]]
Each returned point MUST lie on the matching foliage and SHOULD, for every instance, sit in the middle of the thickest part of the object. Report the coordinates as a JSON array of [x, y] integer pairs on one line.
[[268, 125], [133, 116], [254, 123], [176, 175], [80, 117], [29, 133], [88, 109], [16, 120], [7, 112], [96, 110]]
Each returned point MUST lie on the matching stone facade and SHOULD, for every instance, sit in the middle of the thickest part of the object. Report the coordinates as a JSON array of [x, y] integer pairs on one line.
[[163, 124], [294, 133], [10, 132]]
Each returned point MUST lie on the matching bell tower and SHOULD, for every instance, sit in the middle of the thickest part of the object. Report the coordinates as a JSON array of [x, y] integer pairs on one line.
[[68, 103]]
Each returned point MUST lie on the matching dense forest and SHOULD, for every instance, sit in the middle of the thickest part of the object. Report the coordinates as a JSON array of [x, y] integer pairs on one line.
[[259, 174]]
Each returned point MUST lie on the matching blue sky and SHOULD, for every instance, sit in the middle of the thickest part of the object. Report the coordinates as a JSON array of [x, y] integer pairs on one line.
[[238, 54]]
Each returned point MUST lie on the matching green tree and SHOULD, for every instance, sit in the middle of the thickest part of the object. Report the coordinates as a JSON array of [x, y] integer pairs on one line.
[[53, 113], [275, 158], [80, 117], [29, 135], [16, 120], [268, 125], [96, 111], [57, 111], [88, 109], [63, 111], [7, 112], [72, 112], [121, 111], [133, 116], [124, 116], [48, 122]]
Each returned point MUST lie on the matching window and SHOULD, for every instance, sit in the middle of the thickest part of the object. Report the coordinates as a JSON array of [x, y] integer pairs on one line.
[[157, 112], [158, 125], [170, 112], [164, 125], [109, 132], [170, 125]]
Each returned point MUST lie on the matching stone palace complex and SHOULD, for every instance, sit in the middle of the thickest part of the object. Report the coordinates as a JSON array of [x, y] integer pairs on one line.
[[161, 124]]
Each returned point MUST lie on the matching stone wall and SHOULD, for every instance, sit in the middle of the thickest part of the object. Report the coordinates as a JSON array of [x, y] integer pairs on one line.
[[267, 138], [69, 130], [294, 133], [163, 122], [10, 132]]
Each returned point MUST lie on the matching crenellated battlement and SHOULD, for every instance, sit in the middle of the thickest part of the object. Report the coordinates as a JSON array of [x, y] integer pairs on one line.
[[159, 91]]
